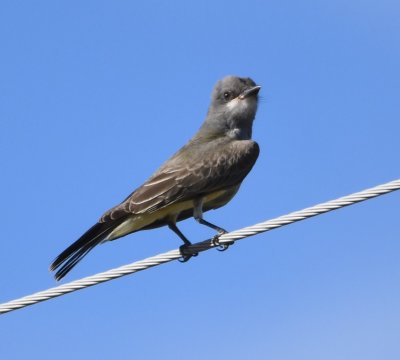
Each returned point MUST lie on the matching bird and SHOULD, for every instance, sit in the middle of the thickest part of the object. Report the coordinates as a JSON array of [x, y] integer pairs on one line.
[[204, 174]]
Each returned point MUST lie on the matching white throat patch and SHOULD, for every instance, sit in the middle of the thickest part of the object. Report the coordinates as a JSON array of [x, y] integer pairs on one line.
[[236, 104]]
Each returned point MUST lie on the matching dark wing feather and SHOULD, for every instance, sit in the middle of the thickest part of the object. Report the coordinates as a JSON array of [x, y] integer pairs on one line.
[[186, 177]]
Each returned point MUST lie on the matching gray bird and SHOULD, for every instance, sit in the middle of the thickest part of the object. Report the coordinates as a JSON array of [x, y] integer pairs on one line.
[[204, 174]]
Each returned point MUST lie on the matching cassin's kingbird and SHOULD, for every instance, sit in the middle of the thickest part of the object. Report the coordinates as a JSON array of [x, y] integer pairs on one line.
[[204, 174]]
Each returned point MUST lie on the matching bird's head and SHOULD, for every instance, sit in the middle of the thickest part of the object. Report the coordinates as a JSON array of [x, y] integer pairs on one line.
[[233, 107]]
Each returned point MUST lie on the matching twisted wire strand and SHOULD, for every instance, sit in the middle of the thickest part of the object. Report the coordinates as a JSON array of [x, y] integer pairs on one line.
[[201, 246]]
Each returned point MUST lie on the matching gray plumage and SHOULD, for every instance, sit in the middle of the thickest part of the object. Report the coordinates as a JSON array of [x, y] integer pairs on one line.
[[204, 174]]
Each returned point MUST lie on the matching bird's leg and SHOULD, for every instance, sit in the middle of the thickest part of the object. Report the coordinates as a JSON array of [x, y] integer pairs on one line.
[[182, 249], [212, 226], [198, 215]]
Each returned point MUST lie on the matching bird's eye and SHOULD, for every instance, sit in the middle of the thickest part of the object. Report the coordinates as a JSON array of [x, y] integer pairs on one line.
[[227, 95]]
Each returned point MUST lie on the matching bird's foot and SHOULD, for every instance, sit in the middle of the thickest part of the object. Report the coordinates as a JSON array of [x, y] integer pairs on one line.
[[224, 246], [186, 255]]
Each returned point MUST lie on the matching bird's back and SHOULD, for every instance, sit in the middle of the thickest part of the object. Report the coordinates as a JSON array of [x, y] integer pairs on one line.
[[222, 164]]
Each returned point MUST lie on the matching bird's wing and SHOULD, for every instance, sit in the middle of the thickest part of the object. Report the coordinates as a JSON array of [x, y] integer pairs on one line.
[[185, 180]]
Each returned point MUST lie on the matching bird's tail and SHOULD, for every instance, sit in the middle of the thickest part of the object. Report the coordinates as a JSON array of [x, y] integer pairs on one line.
[[75, 252]]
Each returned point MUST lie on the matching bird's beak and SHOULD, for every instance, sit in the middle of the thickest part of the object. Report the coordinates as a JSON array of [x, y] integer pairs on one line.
[[248, 92]]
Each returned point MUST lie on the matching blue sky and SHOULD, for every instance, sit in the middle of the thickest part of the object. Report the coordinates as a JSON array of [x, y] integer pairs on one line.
[[95, 95]]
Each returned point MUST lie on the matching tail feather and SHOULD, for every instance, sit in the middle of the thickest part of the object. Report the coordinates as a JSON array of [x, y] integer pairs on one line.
[[76, 251]]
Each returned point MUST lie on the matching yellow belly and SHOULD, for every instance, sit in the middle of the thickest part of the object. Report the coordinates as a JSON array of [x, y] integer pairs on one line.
[[170, 212]]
